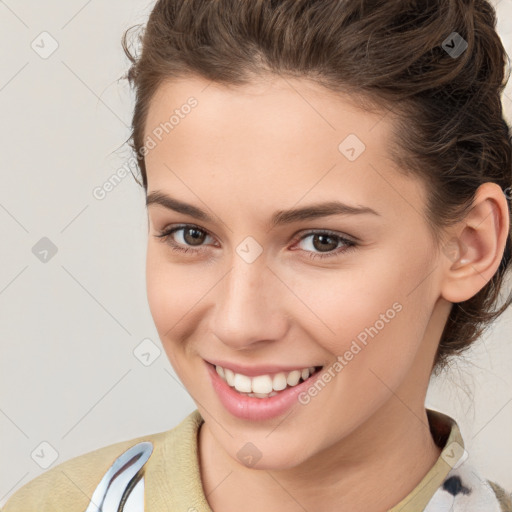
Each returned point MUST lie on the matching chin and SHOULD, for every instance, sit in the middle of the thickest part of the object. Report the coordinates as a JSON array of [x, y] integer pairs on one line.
[[268, 458]]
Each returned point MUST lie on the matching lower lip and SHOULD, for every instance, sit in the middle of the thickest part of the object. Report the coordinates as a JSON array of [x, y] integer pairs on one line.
[[257, 409]]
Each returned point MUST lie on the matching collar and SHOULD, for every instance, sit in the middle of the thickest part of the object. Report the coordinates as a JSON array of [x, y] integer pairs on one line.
[[446, 435], [174, 481]]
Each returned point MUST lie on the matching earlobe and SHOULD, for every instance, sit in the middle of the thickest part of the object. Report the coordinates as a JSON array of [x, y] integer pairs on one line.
[[474, 255]]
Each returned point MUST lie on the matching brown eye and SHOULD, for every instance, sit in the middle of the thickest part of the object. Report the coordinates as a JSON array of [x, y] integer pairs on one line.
[[325, 242], [190, 238], [193, 236]]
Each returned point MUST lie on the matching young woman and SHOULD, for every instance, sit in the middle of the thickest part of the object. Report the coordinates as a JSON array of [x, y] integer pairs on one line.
[[328, 191]]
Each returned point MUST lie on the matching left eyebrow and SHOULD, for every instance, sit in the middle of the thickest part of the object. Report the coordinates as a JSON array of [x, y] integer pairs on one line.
[[280, 217]]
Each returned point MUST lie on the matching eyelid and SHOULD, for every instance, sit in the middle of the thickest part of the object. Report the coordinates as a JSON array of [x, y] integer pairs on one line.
[[299, 235], [312, 231], [347, 240], [173, 228]]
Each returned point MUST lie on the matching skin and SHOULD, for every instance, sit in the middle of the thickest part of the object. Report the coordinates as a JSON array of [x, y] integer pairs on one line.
[[363, 442]]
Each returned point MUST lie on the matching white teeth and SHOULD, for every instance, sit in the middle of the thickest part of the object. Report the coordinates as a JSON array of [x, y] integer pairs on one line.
[[242, 383], [293, 378], [279, 381], [263, 386], [230, 376]]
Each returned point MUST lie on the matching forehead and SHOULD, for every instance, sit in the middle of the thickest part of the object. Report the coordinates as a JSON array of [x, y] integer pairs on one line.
[[275, 136], [267, 103]]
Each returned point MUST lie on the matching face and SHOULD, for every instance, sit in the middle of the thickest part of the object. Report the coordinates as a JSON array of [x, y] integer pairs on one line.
[[349, 291]]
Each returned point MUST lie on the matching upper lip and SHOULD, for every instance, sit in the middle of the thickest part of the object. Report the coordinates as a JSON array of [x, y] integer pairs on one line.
[[253, 371]]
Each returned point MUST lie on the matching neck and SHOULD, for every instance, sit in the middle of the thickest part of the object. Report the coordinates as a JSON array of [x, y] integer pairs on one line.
[[371, 469]]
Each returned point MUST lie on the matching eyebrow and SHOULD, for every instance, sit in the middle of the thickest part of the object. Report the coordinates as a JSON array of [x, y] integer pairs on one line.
[[280, 217]]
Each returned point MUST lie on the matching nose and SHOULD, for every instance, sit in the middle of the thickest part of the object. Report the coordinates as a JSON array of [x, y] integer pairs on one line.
[[249, 312]]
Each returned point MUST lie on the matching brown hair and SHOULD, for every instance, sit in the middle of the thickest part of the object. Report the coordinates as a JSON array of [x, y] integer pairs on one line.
[[394, 56]]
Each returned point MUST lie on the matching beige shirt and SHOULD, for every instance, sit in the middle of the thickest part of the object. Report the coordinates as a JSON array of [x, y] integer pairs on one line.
[[172, 480]]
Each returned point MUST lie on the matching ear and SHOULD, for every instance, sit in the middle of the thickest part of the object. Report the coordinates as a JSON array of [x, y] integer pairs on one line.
[[474, 254]]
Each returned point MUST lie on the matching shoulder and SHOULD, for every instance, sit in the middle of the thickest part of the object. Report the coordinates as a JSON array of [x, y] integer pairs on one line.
[[464, 488], [70, 485]]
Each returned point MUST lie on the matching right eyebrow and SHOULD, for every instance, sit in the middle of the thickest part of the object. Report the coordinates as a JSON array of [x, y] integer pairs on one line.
[[280, 217]]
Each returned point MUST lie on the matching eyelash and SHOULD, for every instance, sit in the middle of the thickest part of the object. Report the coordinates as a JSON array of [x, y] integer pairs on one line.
[[165, 237]]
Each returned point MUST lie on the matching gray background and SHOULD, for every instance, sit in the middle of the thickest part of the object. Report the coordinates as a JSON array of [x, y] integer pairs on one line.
[[72, 326]]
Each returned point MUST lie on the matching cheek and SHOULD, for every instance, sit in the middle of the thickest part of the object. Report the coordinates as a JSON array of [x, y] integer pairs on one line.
[[370, 317], [169, 291], [377, 333], [166, 289], [178, 297]]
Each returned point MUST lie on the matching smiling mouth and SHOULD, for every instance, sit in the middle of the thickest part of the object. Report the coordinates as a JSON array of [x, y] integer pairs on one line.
[[265, 385]]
